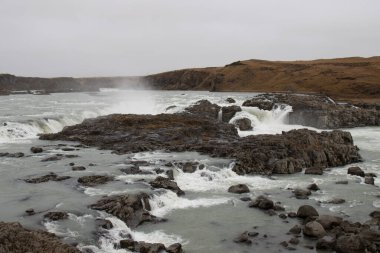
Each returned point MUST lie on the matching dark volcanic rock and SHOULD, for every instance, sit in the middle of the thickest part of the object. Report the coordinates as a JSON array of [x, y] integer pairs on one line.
[[135, 170], [262, 202], [166, 183], [322, 112], [284, 153], [78, 168], [243, 124], [314, 229], [132, 209], [230, 100], [49, 177], [54, 216], [36, 150], [306, 211], [229, 112], [261, 103], [16, 239], [204, 108], [356, 171], [239, 188], [94, 180]]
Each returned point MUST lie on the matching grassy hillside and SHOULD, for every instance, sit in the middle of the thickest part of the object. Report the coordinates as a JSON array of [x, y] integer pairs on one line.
[[345, 78]]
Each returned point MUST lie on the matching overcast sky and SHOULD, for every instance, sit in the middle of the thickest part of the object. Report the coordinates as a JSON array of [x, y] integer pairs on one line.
[[138, 37]]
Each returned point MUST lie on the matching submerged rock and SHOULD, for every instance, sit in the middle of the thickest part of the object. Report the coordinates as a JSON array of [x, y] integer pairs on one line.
[[16, 239], [239, 188], [12, 155], [94, 180], [166, 183], [55, 216], [132, 209], [49, 177]]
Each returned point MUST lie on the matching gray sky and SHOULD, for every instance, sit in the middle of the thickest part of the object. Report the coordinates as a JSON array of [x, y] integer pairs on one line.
[[138, 37]]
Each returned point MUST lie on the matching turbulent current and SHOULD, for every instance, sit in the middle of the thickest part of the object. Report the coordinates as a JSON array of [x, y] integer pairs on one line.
[[206, 219]]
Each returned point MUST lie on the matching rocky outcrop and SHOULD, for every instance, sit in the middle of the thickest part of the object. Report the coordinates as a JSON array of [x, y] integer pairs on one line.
[[239, 188], [132, 209], [16, 239], [319, 111], [243, 124], [166, 183], [204, 108], [284, 153], [228, 112]]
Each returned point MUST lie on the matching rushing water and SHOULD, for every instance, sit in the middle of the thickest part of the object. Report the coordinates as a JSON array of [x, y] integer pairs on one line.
[[206, 219]]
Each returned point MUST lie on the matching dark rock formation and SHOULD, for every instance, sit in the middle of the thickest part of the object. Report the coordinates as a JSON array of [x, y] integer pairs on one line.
[[94, 180], [243, 238], [36, 150], [313, 187], [229, 112], [166, 183], [230, 100], [49, 177], [12, 155], [301, 193], [16, 239], [261, 103], [144, 247], [306, 211], [135, 170], [288, 152], [55, 216], [204, 108], [356, 171], [105, 224], [314, 171], [78, 168], [132, 209], [262, 202], [239, 188], [320, 111], [243, 124]]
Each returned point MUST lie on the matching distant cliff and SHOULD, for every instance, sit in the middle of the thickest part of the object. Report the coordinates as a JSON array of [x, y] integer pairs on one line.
[[339, 78]]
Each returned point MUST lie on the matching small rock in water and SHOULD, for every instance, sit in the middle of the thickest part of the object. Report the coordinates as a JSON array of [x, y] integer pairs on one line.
[[230, 100], [245, 199], [342, 182], [94, 180], [313, 187], [36, 150], [244, 124], [78, 168], [336, 201], [314, 229], [55, 216], [103, 223], [30, 211], [306, 211], [356, 171], [243, 238], [301, 194], [262, 202], [170, 174], [314, 171], [295, 230], [189, 167], [239, 188], [166, 183], [369, 180]]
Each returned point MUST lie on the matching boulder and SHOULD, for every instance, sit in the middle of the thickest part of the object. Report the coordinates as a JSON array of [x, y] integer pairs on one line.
[[306, 211], [166, 183], [369, 180], [204, 108], [94, 180], [301, 194], [55, 216], [313, 187], [326, 243], [314, 229], [175, 248], [132, 209], [259, 103], [262, 202], [356, 171], [228, 112], [329, 221], [295, 230], [36, 150], [134, 170], [239, 188], [230, 100], [243, 124]]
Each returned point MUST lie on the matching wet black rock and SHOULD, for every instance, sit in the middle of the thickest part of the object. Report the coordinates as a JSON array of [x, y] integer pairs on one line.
[[356, 171], [239, 188], [313, 187], [52, 158], [263, 104], [243, 238], [295, 230], [189, 167], [369, 180], [133, 209], [341, 182], [55, 216], [306, 211], [103, 223], [229, 112], [12, 155], [36, 150], [134, 170], [170, 174], [16, 239], [94, 180], [142, 247], [244, 124], [30, 211], [166, 183], [204, 108], [49, 177], [78, 168], [175, 248], [230, 100], [328, 221], [262, 202], [314, 229], [301, 193], [336, 201]]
